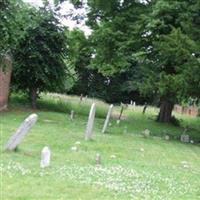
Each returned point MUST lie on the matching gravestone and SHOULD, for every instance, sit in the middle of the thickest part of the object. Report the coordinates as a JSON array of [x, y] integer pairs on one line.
[[98, 159], [72, 115], [146, 133], [121, 111], [167, 137], [134, 105], [107, 118], [89, 127], [81, 98], [21, 132], [45, 157], [144, 109], [185, 138]]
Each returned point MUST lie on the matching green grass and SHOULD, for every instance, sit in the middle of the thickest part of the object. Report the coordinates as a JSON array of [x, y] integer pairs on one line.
[[141, 168]]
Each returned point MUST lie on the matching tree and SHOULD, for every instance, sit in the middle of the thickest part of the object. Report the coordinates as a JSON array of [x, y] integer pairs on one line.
[[169, 55], [39, 56], [160, 39], [12, 25]]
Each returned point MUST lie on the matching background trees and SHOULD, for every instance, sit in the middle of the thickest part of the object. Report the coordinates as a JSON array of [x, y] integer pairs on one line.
[[39, 56], [140, 50], [157, 41]]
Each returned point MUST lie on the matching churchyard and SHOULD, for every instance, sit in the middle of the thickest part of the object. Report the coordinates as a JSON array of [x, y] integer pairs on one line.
[[134, 158]]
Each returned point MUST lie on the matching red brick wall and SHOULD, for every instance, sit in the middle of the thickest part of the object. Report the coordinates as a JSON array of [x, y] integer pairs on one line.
[[5, 76], [191, 110]]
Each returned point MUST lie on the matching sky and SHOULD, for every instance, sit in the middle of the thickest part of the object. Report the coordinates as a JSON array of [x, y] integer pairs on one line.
[[66, 7]]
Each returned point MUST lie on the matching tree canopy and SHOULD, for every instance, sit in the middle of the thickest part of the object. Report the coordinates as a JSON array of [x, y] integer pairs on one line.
[[39, 56]]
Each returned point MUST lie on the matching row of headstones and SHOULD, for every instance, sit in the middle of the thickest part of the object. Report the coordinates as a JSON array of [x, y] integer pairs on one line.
[[15, 140], [21, 132]]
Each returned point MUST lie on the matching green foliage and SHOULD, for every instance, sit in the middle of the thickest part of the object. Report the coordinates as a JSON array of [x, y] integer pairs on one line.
[[39, 56], [13, 18], [157, 41]]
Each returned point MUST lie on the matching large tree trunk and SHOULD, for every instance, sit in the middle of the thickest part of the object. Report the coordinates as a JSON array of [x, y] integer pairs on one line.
[[33, 97], [5, 75], [165, 113]]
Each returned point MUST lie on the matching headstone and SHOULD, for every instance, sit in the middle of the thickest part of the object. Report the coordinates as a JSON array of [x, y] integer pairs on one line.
[[107, 118], [72, 115], [88, 132], [74, 148], [144, 109], [134, 105], [167, 137], [81, 98], [185, 138], [98, 159], [146, 133], [45, 157], [113, 156], [131, 102], [121, 111], [21, 132]]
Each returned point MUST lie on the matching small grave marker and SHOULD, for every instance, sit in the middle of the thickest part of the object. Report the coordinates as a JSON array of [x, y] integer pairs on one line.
[[45, 157]]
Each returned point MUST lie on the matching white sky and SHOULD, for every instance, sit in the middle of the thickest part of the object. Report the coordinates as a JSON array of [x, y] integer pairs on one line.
[[66, 8]]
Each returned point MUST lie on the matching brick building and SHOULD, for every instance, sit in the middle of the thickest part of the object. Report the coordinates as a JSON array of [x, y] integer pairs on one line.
[[5, 75]]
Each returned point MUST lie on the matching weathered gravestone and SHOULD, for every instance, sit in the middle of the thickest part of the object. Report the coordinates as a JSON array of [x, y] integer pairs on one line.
[[45, 157], [185, 138], [98, 159], [107, 118], [89, 127], [21, 132], [72, 115]]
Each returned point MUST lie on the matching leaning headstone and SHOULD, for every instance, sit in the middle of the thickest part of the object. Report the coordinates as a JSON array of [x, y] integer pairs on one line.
[[121, 111], [185, 138], [144, 109], [45, 157], [81, 98], [107, 118], [21, 132], [88, 132], [72, 115]]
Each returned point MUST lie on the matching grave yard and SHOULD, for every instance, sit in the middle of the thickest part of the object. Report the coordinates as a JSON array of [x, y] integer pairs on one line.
[[129, 165]]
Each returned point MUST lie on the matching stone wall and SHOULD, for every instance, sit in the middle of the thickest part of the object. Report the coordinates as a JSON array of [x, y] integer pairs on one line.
[[5, 75], [190, 110]]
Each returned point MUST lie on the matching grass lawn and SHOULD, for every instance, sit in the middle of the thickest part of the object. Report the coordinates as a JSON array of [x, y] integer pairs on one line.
[[132, 167]]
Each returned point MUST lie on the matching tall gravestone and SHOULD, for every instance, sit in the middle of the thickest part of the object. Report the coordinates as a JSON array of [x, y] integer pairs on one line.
[[107, 118], [21, 132], [89, 127]]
